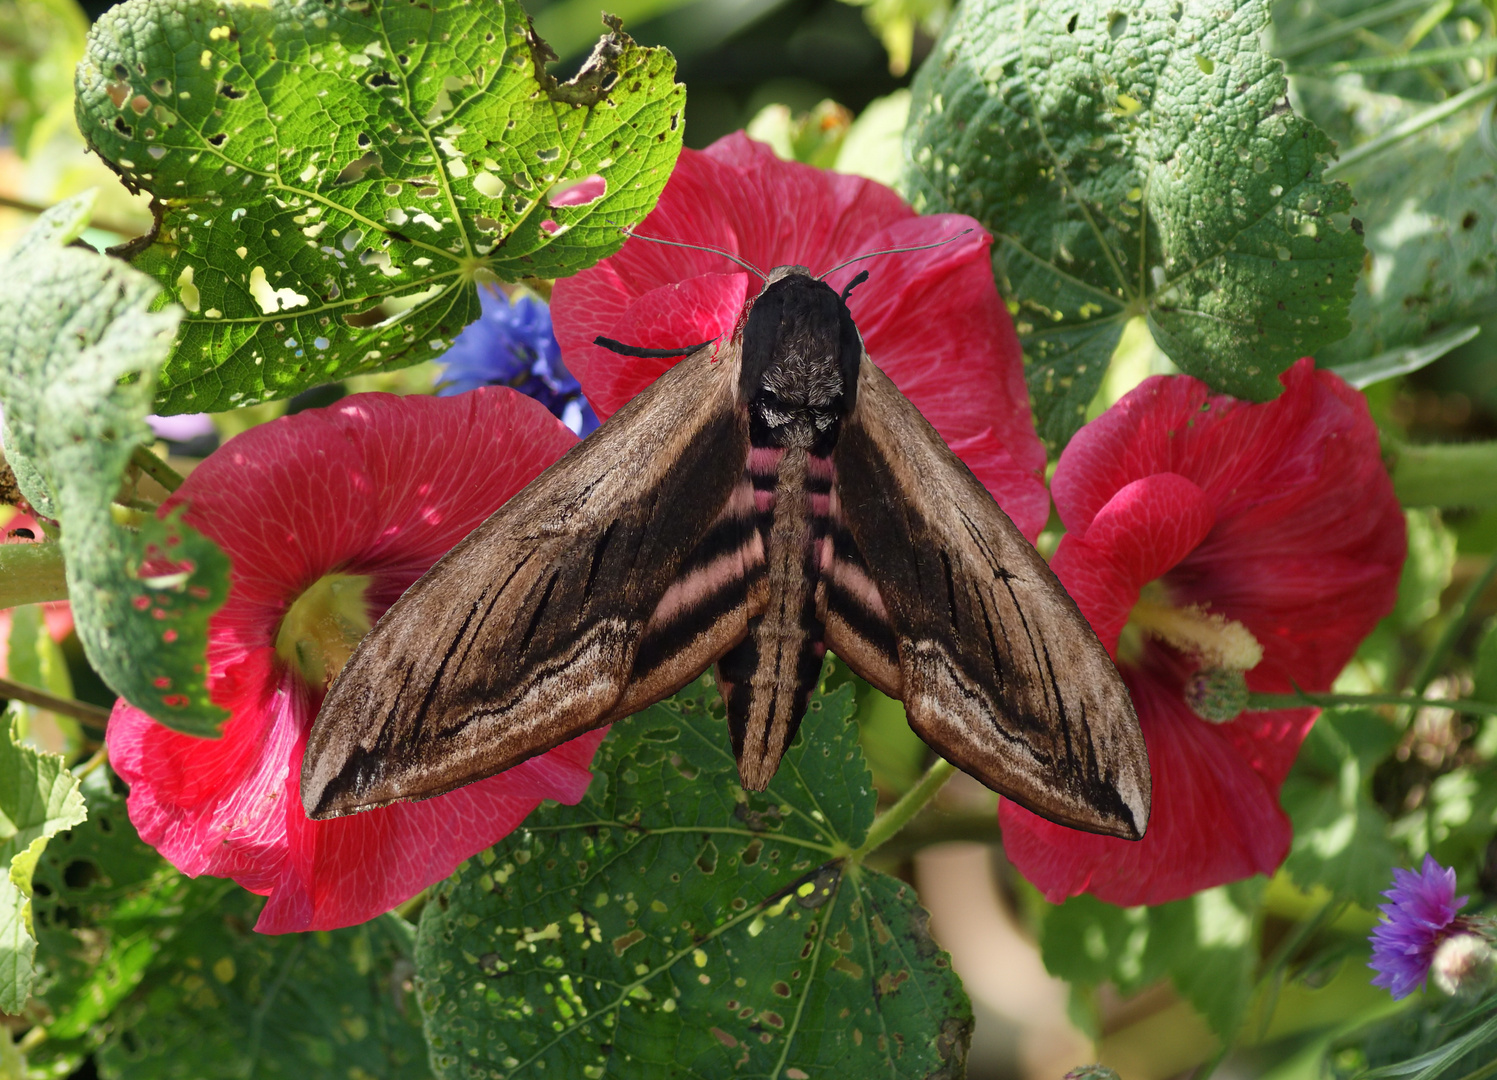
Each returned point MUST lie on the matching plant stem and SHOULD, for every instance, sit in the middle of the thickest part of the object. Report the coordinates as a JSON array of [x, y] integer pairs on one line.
[[100, 756], [78, 710], [26, 207], [1373, 65], [1414, 124], [31, 574], [1445, 474], [1460, 615], [1258, 702], [887, 824], [1345, 27], [156, 469]]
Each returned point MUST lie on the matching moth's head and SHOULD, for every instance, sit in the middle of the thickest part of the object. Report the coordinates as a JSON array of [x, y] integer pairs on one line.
[[801, 352]]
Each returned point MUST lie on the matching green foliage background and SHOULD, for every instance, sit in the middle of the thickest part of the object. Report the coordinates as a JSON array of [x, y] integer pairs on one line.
[[1172, 185]]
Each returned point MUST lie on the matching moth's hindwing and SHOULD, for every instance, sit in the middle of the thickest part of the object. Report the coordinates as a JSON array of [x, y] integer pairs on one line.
[[575, 604], [933, 595]]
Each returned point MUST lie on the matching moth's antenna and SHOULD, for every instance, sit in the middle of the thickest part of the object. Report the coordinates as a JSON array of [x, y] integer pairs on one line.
[[858, 279], [703, 247], [891, 251]]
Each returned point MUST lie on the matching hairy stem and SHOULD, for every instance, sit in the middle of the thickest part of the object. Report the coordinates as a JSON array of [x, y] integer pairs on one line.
[[156, 469], [1258, 702], [1446, 474], [1346, 27], [1412, 126], [887, 824], [91, 715]]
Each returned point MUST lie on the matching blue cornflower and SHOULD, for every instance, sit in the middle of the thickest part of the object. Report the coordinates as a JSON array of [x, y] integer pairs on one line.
[[512, 345], [1421, 915]]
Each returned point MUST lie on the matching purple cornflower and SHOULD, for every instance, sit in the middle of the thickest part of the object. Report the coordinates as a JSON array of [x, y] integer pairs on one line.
[[1421, 914], [512, 345]]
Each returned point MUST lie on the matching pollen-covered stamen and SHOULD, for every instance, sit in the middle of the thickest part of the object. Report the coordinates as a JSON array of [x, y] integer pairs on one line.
[[323, 625], [1218, 642], [1217, 691]]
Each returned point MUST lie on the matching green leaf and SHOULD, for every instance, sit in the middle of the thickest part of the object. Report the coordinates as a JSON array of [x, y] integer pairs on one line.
[[1431, 207], [1405, 359], [102, 898], [672, 924], [79, 352], [1340, 833], [1207, 944], [221, 1001], [334, 177], [38, 798], [1135, 162]]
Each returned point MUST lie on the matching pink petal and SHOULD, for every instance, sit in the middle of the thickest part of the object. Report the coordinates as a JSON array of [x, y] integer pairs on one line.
[[377, 485], [1306, 519], [578, 192], [244, 820], [1214, 818], [1145, 529], [931, 319]]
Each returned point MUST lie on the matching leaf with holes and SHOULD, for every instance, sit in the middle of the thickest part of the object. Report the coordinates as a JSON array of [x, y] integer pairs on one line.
[[674, 924], [221, 1002], [79, 351], [1139, 163], [38, 799], [100, 899], [332, 177]]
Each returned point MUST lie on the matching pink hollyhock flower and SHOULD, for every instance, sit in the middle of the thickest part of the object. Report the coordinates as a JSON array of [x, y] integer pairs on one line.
[[1209, 536], [327, 517], [932, 320]]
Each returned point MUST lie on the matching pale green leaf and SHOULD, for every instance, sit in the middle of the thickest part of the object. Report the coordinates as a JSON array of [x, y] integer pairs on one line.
[[1136, 160], [335, 178], [79, 351], [38, 798]]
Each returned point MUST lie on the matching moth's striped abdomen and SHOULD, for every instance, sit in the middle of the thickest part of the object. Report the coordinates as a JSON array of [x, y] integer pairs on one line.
[[767, 678]]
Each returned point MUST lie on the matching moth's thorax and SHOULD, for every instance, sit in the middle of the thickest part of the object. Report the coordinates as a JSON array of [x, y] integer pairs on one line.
[[801, 352]]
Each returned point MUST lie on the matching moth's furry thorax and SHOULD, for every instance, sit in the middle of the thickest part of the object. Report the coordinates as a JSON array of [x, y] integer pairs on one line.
[[801, 352]]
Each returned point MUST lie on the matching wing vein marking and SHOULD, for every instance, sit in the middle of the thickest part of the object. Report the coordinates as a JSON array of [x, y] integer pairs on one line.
[[950, 586], [418, 722], [538, 614], [592, 572]]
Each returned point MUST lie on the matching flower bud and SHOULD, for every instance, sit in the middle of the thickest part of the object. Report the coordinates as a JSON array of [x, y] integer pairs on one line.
[[1217, 694], [1464, 965], [1092, 1072]]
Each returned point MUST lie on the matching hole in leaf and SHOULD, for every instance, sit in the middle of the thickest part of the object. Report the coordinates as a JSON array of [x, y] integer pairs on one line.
[[80, 874], [122, 127], [707, 858], [578, 192], [357, 168], [382, 78], [364, 140], [217, 140], [1117, 25], [1071, 26], [228, 91]]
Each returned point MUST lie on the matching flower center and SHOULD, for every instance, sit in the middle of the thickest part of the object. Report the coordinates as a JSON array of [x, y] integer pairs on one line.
[[324, 624], [1225, 649]]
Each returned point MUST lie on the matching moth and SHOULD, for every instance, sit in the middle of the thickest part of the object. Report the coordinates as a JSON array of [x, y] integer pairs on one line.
[[766, 499]]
